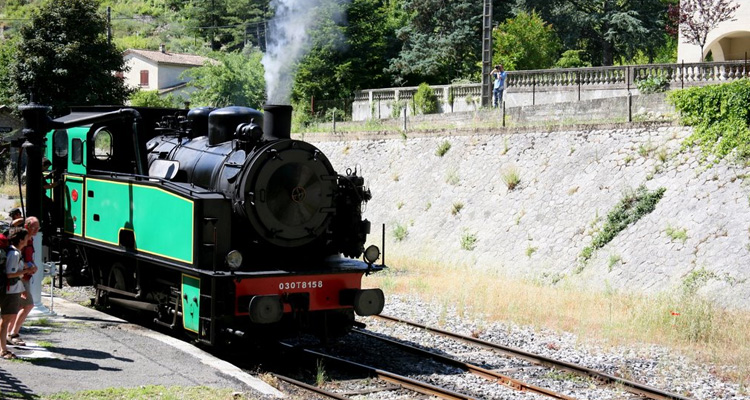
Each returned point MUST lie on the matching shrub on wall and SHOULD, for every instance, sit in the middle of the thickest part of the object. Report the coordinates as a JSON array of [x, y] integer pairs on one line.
[[652, 84], [425, 100], [720, 115], [397, 108]]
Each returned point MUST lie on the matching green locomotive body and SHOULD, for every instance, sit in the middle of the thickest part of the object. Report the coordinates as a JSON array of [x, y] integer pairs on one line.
[[239, 234]]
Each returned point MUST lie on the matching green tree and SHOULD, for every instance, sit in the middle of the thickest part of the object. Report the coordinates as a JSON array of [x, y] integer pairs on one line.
[[64, 59], [7, 87], [525, 42], [606, 29], [236, 79], [349, 57], [224, 24], [439, 41]]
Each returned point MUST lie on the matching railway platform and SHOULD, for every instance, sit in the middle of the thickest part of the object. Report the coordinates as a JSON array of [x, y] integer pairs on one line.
[[76, 348]]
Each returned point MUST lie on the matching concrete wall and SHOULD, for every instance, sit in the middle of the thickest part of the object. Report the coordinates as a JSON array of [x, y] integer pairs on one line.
[[570, 179]]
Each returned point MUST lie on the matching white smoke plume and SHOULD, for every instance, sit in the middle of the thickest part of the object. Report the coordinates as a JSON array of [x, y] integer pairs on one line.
[[288, 41]]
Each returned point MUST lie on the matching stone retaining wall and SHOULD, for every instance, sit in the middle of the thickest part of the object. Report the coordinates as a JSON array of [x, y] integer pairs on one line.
[[570, 179]]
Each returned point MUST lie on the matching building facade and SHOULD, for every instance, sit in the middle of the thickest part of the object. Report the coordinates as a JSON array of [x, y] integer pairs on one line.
[[730, 41], [160, 70]]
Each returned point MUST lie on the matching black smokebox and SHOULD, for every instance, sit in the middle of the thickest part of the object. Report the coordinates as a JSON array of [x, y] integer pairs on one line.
[[277, 121]]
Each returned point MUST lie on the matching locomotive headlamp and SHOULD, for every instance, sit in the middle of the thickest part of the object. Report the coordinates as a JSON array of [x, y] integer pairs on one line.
[[234, 260], [372, 253]]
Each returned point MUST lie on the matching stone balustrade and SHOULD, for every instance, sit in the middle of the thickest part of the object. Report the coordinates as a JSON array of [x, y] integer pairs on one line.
[[550, 86]]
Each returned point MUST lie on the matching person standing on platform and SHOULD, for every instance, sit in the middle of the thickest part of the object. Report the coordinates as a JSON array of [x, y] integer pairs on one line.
[[14, 270], [27, 301]]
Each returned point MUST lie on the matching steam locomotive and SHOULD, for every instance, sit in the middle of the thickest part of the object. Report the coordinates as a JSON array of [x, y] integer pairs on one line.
[[213, 220]]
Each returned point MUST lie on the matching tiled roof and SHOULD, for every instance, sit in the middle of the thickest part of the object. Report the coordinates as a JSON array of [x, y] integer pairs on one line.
[[169, 58]]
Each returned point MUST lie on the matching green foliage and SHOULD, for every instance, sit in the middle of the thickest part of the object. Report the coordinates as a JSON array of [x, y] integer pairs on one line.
[[8, 50], [151, 98], [348, 56], [425, 100], [511, 177], [443, 148], [64, 59], [630, 209], [451, 97], [452, 177], [236, 79], [439, 41], [613, 260], [652, 84], [150, 392], [676, 234], [525, 42], [720, 115], [469, 241], [400, 232], [228, 18], [530, 250], [573, 59], [320, 374], [397, 108], [607, 30]]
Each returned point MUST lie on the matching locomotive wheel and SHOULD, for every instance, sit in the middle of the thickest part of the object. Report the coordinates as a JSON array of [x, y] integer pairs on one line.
[[120, 278]]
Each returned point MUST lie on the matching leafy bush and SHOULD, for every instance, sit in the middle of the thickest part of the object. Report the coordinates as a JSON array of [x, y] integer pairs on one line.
[[720, 115], [629, 210], [151, 98], [425, 100], [525, 42], [653, 84]]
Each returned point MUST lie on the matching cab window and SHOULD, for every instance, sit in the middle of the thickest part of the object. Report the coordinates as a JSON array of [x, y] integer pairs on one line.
[[76, 151], [60, 143], [103, 144]]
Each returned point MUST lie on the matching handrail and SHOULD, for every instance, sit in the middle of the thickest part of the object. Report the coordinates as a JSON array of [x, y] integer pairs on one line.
[[691, 73]]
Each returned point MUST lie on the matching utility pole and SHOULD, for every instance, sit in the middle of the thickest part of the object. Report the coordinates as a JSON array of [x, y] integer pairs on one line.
[[109, 25], [486, 52]]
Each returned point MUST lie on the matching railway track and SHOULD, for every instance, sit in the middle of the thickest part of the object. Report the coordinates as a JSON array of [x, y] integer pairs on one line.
[[387, 376], [607, 379], [474, 369]]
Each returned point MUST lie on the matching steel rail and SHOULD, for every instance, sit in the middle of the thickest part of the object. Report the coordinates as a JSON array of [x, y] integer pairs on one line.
[[311, 388], [474, 369], [627, 385], [409, 383]]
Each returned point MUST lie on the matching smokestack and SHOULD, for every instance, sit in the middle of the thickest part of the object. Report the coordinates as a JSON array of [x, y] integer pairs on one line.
[[162, 48], [277, 121]]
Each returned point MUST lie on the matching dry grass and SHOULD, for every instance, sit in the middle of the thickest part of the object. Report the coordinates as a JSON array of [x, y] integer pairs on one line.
[[701, 330], [9, 183]]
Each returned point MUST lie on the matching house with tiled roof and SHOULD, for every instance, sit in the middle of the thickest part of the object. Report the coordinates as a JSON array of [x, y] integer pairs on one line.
[[160, 70]]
